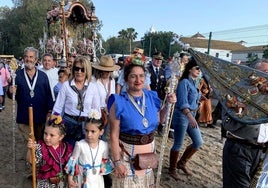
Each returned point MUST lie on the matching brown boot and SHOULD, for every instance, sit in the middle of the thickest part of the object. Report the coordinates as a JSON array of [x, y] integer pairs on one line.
[[188, 153], [173, 158]]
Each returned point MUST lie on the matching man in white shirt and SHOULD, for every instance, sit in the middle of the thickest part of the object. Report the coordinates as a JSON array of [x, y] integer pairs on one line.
[[51, 71]]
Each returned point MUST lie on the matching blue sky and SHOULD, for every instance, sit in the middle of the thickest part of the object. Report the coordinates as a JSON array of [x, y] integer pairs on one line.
[[185, 17]]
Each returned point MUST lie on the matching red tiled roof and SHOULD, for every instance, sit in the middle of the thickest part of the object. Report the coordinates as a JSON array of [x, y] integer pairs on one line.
[[214, 44], [253, 49]]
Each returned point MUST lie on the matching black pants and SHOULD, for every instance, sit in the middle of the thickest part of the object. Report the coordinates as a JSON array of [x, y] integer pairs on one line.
[[239, 164]]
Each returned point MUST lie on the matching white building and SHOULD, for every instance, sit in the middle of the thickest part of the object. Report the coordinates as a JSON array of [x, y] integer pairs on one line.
[[221, 49], [244, 54]]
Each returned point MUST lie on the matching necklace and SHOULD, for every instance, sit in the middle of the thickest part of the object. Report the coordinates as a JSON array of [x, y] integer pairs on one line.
[[31, 87], [104, 85], [94, 170], [59, 156], [140, 110]]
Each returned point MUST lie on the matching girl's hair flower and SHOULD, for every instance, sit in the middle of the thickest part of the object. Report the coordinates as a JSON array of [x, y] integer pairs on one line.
[[55, 119], [94, 114]]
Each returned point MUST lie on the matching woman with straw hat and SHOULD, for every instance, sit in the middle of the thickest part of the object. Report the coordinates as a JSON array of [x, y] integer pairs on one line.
[[105, 83], [102, 73]]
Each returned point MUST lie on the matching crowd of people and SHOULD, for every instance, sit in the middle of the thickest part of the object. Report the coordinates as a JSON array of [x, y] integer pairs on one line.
[[76, 146]]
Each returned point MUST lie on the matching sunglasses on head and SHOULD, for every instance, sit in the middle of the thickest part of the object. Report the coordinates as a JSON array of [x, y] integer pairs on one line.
[[78, 69], [197, 68]]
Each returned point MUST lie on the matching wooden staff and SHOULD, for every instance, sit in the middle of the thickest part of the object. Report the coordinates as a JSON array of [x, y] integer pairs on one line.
[[13, 66], [31, 125]]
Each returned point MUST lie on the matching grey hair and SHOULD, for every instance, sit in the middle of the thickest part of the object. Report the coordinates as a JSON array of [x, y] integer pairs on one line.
[[32, 49], [47, 54]]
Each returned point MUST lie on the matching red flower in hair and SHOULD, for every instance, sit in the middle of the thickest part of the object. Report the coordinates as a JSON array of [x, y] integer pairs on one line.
[[136, 59]]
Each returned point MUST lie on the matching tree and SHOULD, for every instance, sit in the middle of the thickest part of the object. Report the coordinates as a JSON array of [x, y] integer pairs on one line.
[[23, 25], [252, 57], [160, 41], [265, 52], [26, 22], [115, 45], [129, 34]]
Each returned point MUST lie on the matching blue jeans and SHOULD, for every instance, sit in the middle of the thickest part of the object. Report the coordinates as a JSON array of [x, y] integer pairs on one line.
[[75, 131], [181, 126]]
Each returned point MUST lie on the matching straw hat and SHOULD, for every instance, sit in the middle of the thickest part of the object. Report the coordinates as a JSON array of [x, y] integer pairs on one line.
[[106, 64]]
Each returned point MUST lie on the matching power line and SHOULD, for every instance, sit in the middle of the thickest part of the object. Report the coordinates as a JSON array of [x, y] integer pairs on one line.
[[239, 30], [253, 35]]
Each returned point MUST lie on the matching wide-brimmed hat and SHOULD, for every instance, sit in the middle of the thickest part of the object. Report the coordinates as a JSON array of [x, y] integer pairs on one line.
[[158, 55], [106, 64]]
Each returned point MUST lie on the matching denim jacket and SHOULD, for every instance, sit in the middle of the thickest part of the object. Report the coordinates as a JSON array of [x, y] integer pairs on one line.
[[187, 95]]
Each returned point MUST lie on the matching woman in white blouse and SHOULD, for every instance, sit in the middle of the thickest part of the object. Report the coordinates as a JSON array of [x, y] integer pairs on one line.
[[76, 98], [105, 83]]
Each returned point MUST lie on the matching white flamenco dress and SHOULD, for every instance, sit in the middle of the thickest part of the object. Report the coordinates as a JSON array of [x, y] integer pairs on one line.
[[88, 165]]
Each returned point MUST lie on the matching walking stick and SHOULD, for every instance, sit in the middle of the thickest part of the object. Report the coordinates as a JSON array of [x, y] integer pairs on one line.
[[13, 66], [32, 150], [169, 115]]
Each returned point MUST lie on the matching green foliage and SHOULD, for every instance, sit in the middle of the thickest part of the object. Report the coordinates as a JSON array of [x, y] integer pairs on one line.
[[129, 35], [22, 26], [160, 41], [116, 45], [265, 52], [252, 57]]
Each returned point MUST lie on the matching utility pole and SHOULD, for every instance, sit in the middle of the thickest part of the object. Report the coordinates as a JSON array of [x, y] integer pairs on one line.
[[151, 31], [209, 40]]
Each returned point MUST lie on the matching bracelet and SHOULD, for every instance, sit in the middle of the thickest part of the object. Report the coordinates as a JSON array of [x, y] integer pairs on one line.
[[117, 163]]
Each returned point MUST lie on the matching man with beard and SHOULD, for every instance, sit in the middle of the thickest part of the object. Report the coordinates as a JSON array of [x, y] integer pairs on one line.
[[32, 89]]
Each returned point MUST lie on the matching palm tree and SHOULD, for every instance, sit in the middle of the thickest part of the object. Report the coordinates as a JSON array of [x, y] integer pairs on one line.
[[130, 34]]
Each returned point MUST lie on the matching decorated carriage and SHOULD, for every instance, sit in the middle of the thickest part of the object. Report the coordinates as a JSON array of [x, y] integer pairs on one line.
[[71, 30]]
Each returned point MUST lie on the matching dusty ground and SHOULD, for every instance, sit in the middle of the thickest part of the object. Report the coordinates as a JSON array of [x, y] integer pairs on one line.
[[206, 164]]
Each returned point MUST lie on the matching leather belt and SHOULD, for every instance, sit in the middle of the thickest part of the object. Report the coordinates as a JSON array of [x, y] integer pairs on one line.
[[76, 118], [246, 142], [137, 139]]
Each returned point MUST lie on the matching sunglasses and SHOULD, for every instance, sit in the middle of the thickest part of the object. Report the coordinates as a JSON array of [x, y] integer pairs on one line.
[[78, 69], [197, 68]]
